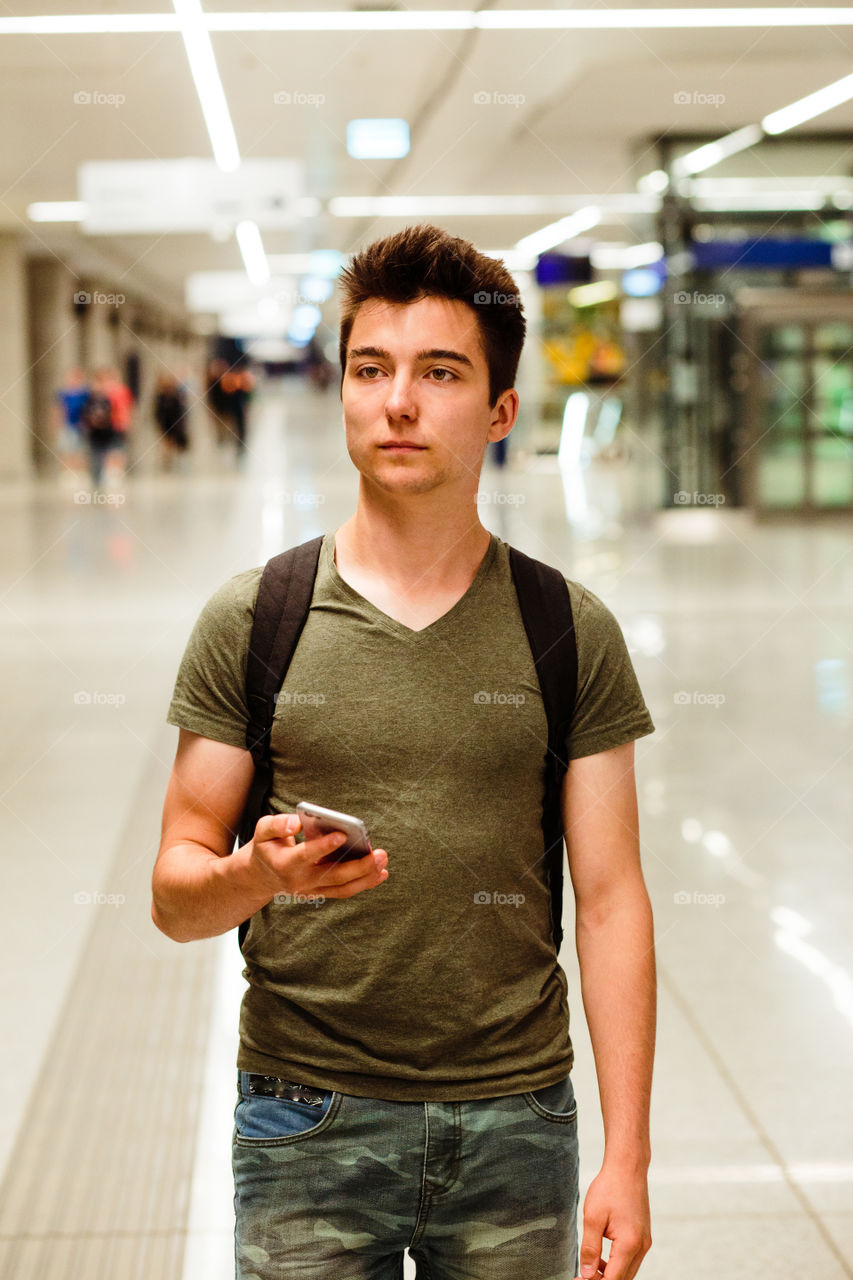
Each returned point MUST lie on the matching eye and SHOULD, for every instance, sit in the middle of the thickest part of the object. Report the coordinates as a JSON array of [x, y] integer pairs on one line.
[[451, 376], [367, 370]]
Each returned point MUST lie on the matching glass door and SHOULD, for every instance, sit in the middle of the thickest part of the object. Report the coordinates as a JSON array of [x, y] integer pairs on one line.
[[804, 422]]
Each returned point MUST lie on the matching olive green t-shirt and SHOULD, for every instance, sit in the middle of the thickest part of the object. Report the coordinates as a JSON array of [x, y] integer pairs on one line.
[[442, 982]]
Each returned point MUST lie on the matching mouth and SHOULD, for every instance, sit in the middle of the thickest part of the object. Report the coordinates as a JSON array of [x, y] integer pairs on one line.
[[402, 446]]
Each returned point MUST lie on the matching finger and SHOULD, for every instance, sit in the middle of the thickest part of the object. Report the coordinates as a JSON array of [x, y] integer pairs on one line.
[[624, 1261], [278, 826], [375, 874], [591, 1260], [338, 873]]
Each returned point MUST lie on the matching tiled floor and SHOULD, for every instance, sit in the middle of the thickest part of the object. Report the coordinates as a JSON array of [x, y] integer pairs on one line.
[[742, 638]]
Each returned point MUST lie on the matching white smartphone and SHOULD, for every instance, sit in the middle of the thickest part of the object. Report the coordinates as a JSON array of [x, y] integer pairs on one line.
[[317, 821]]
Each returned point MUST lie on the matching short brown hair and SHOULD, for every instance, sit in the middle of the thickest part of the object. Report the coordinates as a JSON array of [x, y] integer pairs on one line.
[[426, 261]]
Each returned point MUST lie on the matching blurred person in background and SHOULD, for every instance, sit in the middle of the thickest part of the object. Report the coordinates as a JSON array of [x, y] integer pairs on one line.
[[318, 368], [218, 404], [98, 429], [238, 385], [121, 402], [170, 414], [70, 398]]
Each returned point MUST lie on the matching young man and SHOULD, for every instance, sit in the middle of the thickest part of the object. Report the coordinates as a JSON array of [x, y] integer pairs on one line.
[[404, 1059]]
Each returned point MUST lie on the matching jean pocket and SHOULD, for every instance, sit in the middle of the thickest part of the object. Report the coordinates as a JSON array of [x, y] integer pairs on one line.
[[282, 1120], [555, 1102]]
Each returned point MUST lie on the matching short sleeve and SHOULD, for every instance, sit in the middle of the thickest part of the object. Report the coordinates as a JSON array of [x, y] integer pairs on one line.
[[609, 707], [209, 697]]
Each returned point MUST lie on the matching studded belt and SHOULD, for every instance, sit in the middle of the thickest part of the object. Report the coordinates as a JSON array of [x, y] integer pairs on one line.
[[274, 1087]]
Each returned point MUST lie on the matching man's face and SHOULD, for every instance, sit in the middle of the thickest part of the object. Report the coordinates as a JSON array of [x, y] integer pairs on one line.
[[415, 395]]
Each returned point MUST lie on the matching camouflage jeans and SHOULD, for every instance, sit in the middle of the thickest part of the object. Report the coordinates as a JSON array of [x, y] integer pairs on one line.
[[336, 1187]]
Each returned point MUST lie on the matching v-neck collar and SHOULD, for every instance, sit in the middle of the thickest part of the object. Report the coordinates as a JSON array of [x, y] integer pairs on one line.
[[392, 624]]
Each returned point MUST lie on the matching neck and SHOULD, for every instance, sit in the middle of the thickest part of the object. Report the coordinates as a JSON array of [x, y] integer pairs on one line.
[[414, 539]]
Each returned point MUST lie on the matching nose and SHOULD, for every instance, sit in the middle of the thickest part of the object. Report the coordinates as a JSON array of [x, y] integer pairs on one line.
[[400, 401]]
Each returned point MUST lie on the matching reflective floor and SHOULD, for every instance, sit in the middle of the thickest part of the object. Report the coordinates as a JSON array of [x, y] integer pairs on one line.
[[117, 1068]]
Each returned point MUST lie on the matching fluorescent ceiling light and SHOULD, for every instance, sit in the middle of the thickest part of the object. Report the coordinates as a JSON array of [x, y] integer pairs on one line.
[[587, 295], [56, 211], [252, 249], [208, 84], [760, 201], [378, 139], [484, 206], [624, 257], [713, 152], [438, 20], [656, 181], [832, 95], [557, 232]]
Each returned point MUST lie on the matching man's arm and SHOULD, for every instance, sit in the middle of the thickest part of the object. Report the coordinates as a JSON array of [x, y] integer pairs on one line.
[[615, 944], [199, 887]]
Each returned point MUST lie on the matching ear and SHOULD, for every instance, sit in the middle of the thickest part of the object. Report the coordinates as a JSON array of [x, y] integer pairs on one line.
[[503, 415]]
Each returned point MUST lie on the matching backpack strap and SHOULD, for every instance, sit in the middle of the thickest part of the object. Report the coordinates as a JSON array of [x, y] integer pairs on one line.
[[281, 608], [546, 610]]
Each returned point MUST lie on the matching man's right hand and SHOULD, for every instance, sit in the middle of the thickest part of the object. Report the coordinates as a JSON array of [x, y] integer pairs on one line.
[[281, 865]]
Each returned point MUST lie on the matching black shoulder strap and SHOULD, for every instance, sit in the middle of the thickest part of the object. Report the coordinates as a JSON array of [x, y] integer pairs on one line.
[[546, 609], [281, 607]]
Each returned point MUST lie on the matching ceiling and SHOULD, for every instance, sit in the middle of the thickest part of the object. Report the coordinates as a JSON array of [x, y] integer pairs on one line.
[[583, 109]]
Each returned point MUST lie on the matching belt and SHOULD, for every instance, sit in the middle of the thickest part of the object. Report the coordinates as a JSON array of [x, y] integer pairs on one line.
[[274, 1087]]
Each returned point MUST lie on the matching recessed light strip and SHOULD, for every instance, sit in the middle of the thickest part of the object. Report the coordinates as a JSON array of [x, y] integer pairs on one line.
[[439, 20], [208, 85]]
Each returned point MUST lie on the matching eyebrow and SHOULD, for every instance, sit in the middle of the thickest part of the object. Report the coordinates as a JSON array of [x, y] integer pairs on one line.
[[434, 353]]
